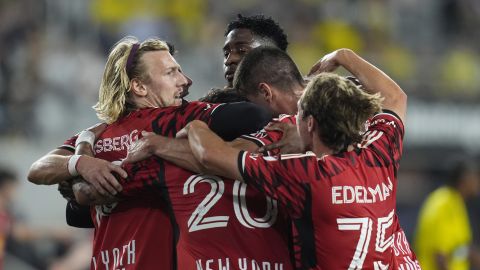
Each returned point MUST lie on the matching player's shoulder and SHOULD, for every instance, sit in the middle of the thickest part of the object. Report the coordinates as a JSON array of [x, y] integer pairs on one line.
[[185, 108], [134, 118], [200, 105], [386, 117], [287, 118]]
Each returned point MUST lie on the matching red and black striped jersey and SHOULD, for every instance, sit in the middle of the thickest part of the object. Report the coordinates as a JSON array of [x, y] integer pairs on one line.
[[219, 223], [137, 233], [343, 205], [265, 137], [216, 222]]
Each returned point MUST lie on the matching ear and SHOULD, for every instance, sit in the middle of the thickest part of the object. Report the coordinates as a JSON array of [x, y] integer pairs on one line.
[[311, 123], [266, 91], [138, 88]]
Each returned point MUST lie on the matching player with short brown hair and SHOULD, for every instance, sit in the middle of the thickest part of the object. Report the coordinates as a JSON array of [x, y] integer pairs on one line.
[[342, 194]]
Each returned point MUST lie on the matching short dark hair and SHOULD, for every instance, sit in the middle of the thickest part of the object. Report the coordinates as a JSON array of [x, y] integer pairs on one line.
[[261, 26], [222, 96], [266, 64], [6, 176]]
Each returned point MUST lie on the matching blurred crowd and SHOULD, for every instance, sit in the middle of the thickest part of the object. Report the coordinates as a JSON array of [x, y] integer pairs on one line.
[[52, 47], [52, 54]]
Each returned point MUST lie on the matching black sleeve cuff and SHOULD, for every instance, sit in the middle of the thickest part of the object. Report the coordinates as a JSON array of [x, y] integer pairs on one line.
[[78, 215], [392, 113]]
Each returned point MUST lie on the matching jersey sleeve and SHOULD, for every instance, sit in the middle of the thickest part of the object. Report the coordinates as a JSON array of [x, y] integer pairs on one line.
[[203, 111], [265, 137], [232, 120], [284, 178], [69, 144], [228, 120], [168, 121], [384, 137]]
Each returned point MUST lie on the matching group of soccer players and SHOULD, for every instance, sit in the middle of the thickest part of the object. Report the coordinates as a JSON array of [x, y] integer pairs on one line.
[[204, 200]]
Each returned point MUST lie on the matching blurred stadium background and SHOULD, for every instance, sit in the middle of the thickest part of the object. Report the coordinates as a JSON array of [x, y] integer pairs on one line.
[[52, 54]]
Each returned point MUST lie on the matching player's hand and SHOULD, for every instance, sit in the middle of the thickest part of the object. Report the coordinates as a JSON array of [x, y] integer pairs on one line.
[[143, 148], [101, 174], [86, 194], [328, 63], [65, 188], [290, 141]]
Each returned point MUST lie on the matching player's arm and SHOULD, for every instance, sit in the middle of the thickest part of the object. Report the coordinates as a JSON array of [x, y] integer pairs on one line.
[[51, 168], [279, 136], [76, 215], [60, 165], [248, 118], [100, 175], [290, 141], [373, 79], [175, 150], [92, 193], [213, 153], [218, 158], [242, 144], [86, 194]]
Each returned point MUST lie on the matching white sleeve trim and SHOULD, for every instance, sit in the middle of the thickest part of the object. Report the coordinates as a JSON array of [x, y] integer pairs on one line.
[[244, 156], [214, 109]]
